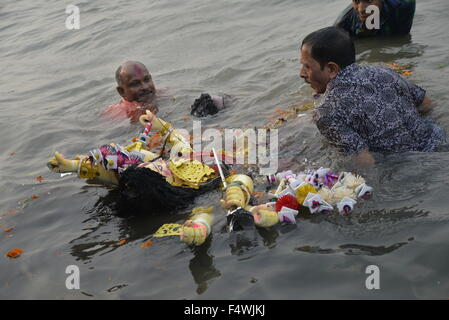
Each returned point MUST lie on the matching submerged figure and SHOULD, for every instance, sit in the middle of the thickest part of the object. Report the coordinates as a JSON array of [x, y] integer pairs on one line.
[[136, 87], [365, 108], [396, 17]]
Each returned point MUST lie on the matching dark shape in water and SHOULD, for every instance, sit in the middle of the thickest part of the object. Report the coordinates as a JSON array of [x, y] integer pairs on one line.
[[203, 106], [240, 220], [354, 249], [145, 190]]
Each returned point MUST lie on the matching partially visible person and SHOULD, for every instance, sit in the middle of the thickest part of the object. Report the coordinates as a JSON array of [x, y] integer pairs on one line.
[[135, 86], [365, 108], [396, 17]]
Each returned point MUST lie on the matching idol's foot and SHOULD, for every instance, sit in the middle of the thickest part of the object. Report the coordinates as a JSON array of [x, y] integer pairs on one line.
[[265, 216], [193, 233]]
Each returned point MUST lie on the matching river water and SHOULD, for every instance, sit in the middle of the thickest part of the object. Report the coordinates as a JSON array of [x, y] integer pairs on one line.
[[56, 82]]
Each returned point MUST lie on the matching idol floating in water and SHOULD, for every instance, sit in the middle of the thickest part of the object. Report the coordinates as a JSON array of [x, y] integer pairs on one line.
[[156, 184]]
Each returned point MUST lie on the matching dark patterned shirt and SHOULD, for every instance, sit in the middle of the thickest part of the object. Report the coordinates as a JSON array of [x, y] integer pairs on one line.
[[371, 107], [396, 18]]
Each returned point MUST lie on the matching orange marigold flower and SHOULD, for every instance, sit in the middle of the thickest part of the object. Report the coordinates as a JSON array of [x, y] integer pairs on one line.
[[146, 244], [15, 253], [121, 242]]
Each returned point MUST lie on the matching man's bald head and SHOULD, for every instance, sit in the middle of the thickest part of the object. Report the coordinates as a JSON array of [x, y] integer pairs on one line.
[[134, 82], [127, 68]]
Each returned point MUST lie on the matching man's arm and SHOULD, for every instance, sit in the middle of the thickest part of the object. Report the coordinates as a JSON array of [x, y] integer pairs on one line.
[[344, 20], [405, 12], [418, 95], [339, 133]]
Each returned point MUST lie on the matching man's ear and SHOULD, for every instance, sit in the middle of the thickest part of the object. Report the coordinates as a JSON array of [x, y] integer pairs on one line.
[[334, 69], [121, 91]]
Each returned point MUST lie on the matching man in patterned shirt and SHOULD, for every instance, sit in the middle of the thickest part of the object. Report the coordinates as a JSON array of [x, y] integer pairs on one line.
[[365, 108], [396, 17]]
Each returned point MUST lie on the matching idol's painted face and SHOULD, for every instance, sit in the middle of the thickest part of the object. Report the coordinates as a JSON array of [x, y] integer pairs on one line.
[[361, 5], [137, 84], [312, 73]]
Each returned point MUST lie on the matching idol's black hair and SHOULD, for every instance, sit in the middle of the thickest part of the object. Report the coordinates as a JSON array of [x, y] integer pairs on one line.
[[148, 191], [203, 106]]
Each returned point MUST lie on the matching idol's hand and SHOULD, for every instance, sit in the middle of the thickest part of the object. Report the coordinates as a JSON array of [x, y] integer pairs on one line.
[[146, 118], [60, 164]]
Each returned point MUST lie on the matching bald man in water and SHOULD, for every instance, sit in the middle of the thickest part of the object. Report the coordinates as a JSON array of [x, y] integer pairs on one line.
[[136, 87]]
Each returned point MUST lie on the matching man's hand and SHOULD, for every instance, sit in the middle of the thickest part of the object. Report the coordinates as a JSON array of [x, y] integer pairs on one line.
[[364, 159], [426, 106]]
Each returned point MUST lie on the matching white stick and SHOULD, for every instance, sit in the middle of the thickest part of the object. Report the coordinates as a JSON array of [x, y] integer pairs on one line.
[[219, 168]]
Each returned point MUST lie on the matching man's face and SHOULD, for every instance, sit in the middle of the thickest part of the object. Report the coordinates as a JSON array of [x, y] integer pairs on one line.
[[312, 73], [361, 5], [137, 84]]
